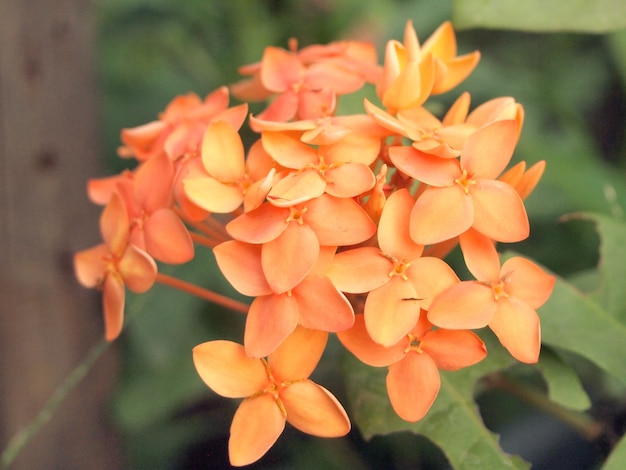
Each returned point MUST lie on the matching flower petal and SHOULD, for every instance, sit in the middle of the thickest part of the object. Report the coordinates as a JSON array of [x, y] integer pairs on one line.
[[256, 426], [260, 225], [298, 355], [349, 180], [227, 370], [153, 183], [453, 349], [358, 341], [223, 152], [167, 238], [299, 245], [517, 327], [413, 385], [389, 312], [430, 277], [322, 306], [113, 295], [527, 281], [114, 225], [487, 151], [466, 305], [499, 212], [271, 319], [314, 410], [393, 227], [89, 265], [289, 151], [241, 265], [138, 269], [432, 170], [427, 224], [213, 196], [481, 257], [359, 270], [296, 188]]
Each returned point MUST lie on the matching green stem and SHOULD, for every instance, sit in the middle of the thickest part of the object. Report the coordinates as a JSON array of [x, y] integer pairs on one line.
[[19, 440]]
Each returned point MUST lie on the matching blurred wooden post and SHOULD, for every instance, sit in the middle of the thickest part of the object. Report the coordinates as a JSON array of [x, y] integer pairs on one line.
[[48, 148]]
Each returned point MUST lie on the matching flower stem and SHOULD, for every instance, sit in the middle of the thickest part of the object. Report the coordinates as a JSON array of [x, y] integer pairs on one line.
[[202, 293]]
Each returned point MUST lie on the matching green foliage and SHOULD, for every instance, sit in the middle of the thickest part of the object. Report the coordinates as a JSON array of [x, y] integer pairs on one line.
[[592, 16]]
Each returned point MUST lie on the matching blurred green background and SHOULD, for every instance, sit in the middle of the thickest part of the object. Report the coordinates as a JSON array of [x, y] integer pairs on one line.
[[572, 86]]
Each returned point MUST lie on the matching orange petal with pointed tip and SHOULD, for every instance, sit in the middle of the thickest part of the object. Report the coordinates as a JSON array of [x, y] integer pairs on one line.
[[338, 222], [314, 410], [499, 212], [167, 237], [413, 385], [465, 305], [488, 151], [480, 255], [223, 152], [297, 244], [457, 113], [89, 265], [429, 169], [288, 151], [457, 70], [227, 370], [153, 183], [260, 225], [241, 265], [427, 225], [280, 69], [349, 180], [114, 225], [212, 196], [353, 148], [138, 269], [383, 118], [322, 306], [256, 426], [453, 349], [517, 327], [393, 227], [113, 295], [271, 319], [527, 281], [358, 341], [389, 312], [283, 108], [359, 270], [298, 355], [405, 90]]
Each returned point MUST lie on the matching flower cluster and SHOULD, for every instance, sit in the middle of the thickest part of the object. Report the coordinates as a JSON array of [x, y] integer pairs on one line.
[[331, 224]]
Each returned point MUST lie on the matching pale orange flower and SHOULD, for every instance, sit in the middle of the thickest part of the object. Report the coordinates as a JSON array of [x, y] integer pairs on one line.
[[114, 265], [414, 361], [505, 299], [275, 391], [466, 190]]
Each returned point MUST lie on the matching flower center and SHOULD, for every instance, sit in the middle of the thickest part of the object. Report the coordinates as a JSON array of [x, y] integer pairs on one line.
[[466, 181]]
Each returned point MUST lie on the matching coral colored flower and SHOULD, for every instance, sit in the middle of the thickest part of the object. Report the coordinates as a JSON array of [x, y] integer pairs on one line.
[[115, 264], [524, 181], [275, 390], [396, 279], [313, 302], [414, 361], [505, 299], [221, 185], [154, 225], [340, 169], [466, 190], [181, 126]]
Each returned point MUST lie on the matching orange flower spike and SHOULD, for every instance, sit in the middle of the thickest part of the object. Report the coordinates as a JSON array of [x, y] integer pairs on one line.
[[450, 69], [275, 391], [466, 190], [413, 380], [505, 301], [115, 264], [341, 169]]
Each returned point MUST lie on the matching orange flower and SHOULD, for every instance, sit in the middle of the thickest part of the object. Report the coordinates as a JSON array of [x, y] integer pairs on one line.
[[224, 180], [340, 169], [115, 264], [466, 190], [181, 126], [414, 361], [275, 391], [394, 275], [505, 299]]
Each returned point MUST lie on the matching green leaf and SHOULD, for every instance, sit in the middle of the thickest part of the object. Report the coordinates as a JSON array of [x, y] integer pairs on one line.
[[591, 16], [564, 386], [617, 459], [612, 231], [572, 321], [453, 422]]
